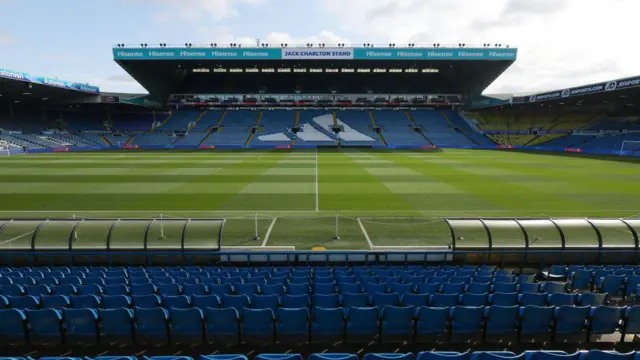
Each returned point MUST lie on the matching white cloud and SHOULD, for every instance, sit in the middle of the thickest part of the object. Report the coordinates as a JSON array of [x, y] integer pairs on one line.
[[192, 10], [561, 42], [224, 35]]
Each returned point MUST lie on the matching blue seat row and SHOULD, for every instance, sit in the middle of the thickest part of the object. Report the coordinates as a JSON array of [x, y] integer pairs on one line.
[[273, 301], [388, 324], [425, 355], [214, 287]]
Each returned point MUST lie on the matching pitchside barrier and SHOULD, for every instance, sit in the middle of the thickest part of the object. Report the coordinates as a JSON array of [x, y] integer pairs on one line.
[[337, 239], [622, 152]]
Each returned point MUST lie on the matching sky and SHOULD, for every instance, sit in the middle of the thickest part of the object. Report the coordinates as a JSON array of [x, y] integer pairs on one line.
[[560, 43]]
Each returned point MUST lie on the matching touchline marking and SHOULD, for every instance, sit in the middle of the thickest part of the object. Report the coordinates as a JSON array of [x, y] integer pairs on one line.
[[317, 197], [448, 211], [366, 235], [16, 238], [266, 236]]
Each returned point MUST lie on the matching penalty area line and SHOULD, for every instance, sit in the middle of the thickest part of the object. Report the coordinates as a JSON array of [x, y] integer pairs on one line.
[[268, 234], [366, 235]]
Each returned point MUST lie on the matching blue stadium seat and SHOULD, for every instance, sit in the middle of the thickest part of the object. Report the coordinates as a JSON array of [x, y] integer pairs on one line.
[[117, 325], [529, 288], [397, 324], [37, 290], [326, 301], [187, 325], [443, 355], [361, 324], [502, 321], [293, 325], [349, 288], [470, 299], [25, 302], [373, 288], [196, 289], [258, 325], [631, 321], [85, 302], [478, 288], [24, 281], [152, 326], [559, 299], [531, 299], [92, 289], [274, 289], [415, 300], [221, 289], [504, 299], [94, 281], [553, 355], [222, 325], [271, 302], [299, 289], [71, 280], [12, 290], [431, 323], [333, 356], [13, 328], [57, 302], [467, 321], [581, 280], [116, 280], [45, 326], [278, 357], [610, 355], [496, 355], [612, 285], [146, 301], [428, 288], [554, 287], [327, 325], [605, 320], [172, 289], [116, 301], [238, 302], [205, 301], [81, 326], [355, 300], [176, 302], [591, 299], [324, 288], [65, 289], [296, 301], [402, 288], [444, 300], [116, 289], [505, 287], [143, 289], [536, 321], [633, 281], [4, 303], [381, 300], [223, 357], [571, 321]]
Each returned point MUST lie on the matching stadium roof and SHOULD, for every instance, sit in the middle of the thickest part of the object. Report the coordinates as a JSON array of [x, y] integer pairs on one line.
[[18, 86], [233, 70], [622, 95]]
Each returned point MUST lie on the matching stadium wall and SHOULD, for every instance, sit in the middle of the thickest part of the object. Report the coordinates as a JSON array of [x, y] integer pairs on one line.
[[265, 147]]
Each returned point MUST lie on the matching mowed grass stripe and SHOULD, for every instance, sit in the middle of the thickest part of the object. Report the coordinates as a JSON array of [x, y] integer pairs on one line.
[[368, 193], [501, 194]]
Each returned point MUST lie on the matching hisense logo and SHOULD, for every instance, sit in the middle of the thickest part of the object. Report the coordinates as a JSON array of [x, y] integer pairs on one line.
[[130, 53], [11, 74], [53, 82]]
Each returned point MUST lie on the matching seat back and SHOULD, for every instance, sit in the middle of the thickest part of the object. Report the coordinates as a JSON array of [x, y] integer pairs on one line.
[[81, 326], [222, 325], [258, 325], [293, 325], [13, 327], [326, 301], [45, 325], [431, 322], [361, 323], [502, 320], [187, 325], [605, 320], [467, 320], [152, 325], [117, 325], [397, 323], [327, 325], [536, 320]]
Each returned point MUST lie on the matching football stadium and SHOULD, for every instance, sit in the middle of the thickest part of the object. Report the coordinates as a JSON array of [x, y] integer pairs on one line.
[[318, 202]]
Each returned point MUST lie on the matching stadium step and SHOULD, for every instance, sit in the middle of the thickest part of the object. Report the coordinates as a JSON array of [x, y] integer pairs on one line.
[[106, 141], [335, 119], [202, 114], [224, 114], [130, 140], [382, 139], [163, 122], [373, 118], [460, 130], [260, 115], [408, 115]]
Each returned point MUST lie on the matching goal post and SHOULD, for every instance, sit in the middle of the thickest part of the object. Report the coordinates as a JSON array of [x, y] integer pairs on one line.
[[630, 148], [5, 151]]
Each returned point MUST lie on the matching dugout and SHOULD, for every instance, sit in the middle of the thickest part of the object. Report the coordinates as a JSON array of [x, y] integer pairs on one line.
[[577, 240]]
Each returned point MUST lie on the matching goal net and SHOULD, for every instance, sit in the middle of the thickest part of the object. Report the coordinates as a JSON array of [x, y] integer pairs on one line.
[[630, 148]]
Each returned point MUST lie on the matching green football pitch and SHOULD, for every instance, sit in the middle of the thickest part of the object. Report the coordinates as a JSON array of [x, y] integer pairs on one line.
[[301, 198]]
